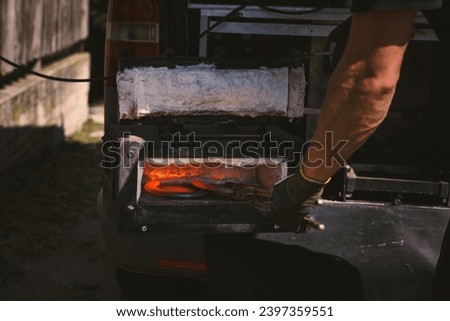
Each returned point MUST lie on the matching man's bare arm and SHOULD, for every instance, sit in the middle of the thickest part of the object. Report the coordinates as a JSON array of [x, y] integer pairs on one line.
[[362, 86]]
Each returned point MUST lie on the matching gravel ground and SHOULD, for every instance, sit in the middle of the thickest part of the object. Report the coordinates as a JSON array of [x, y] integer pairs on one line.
[[50, 238]]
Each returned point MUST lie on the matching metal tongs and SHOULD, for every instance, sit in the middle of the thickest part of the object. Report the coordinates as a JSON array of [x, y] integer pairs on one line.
[[235, 191], [258, 196]]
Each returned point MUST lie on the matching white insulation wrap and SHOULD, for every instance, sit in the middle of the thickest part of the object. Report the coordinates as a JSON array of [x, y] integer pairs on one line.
[[204, 90]]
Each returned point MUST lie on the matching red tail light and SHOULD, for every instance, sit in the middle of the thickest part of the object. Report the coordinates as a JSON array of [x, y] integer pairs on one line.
[[132, 31]]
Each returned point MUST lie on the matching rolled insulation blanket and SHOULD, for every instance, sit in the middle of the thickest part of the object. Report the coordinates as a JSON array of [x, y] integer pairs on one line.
[[204, 90]]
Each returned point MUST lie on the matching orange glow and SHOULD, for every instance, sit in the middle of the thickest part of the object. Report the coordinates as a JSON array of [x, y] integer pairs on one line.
[[171, 171], [175, 180], [155, 187], [207, 172]]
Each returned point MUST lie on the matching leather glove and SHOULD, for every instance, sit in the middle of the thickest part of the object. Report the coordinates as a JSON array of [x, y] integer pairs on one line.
[[292, 200]]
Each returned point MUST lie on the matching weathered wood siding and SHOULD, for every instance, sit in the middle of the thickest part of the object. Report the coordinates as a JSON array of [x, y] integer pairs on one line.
[[32, 29]]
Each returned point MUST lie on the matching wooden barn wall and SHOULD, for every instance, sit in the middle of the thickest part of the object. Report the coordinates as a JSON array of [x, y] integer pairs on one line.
[[35, 29]]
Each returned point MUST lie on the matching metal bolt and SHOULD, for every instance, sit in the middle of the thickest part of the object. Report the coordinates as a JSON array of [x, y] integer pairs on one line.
[[276, 227], [131, 207], [144, 228], [398, 198]]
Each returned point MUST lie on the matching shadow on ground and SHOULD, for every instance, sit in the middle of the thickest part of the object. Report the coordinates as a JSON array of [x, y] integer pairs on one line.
[[50, 239]]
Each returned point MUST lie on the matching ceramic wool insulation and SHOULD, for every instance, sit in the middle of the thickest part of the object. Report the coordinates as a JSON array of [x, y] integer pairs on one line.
[[205, 90]]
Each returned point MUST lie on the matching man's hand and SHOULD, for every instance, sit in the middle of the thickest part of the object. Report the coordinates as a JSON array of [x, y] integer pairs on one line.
[[292, 200]]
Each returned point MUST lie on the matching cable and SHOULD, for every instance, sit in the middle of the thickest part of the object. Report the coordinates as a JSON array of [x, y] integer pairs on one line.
[[53, 78], [257, 3], [219, 22]]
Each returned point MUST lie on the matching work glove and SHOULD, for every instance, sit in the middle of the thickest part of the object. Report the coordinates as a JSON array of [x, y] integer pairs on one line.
[[291, 201]]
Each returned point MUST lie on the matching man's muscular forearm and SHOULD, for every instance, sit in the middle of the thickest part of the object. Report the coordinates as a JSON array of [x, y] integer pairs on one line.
[[361, 88], [358, 98]]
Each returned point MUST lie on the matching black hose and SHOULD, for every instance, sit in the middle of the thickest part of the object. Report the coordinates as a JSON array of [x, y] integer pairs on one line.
[[38, 74]]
